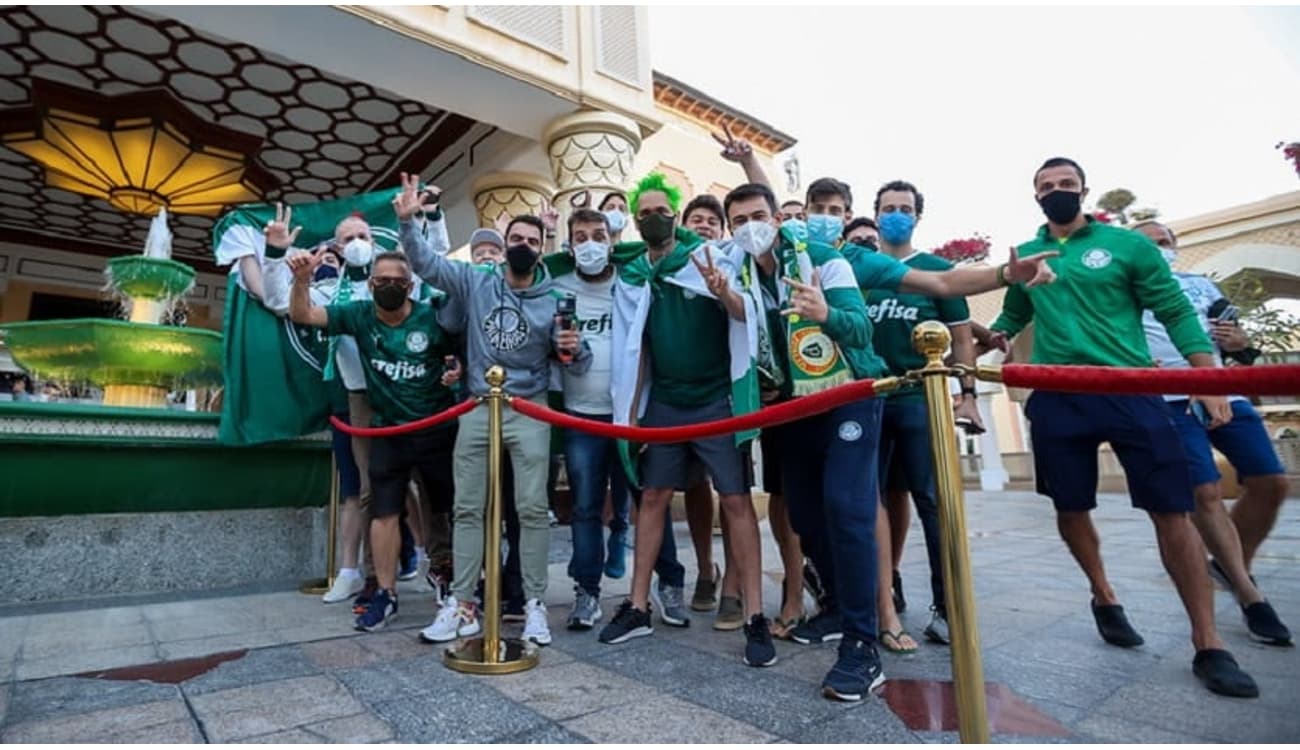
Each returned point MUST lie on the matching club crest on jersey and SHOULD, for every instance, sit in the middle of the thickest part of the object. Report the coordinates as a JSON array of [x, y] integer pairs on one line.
[[506, 329], [417, 342], [1096, 258]]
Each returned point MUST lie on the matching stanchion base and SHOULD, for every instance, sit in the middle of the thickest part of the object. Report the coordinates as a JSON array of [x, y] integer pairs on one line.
[[314, 586], [467, 656]]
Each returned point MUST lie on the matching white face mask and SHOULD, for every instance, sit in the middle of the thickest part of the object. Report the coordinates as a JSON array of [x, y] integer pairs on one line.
[[617, 220], [1168, 255], [358, 252], [755, 237], [592, 257]]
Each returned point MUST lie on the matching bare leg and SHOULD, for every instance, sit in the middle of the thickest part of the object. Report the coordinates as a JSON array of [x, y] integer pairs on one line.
[[386, 541], [1255, 512], [885, 612], [791, 557], [1184, 558], [898, 505], [351, 531], [649, 535], [416, 517], [741, 524], [1081, 537], [699, 519], [1220, 536]]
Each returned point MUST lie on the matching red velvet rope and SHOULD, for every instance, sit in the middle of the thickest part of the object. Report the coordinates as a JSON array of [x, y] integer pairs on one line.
[[1258, 380], [454, 412], [772, 415]]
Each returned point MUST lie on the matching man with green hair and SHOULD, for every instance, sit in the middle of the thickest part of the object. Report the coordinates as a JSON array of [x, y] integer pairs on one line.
[[684, 346]]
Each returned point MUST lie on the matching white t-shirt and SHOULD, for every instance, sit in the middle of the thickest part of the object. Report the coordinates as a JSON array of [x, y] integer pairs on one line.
[[589, 393], [1202, 293]]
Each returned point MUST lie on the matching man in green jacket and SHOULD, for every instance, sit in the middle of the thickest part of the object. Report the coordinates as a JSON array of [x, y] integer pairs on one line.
[[1093, 316]]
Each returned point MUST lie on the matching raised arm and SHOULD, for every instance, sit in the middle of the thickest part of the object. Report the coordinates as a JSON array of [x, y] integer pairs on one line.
[[450, 276], [739, 150], [276, 276], [301, 310]]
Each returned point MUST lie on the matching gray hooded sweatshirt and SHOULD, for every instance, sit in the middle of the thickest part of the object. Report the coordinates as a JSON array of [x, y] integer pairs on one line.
[[513, 328]]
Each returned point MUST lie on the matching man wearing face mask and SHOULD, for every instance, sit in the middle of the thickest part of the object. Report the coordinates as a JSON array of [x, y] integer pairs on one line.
[[587, 273], [905, 433], [1093, 316], [1245, 442], [829, 460], [862, 232], [402, 349], [683, 342], [510, 321], [614, 206]]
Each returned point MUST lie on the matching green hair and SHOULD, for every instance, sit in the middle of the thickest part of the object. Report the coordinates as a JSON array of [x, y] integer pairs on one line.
[[655, 182]]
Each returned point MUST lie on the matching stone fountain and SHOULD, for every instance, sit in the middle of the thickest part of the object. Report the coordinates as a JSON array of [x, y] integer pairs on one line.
[[135, 361]]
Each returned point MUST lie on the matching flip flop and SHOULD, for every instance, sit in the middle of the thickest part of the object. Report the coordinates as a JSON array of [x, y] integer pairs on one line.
[[897, 647], [781, 628]]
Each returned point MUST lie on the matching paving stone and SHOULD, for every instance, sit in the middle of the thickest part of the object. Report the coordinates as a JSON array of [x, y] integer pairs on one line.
[[1185, 706], [134, 721], [64, 696], [767, 700], [211, 624], [81, 660], [229, 715], [351, 730], [189, 649], [397, 645], [379, 683], [550, 734], [44, 644], [263, 665], [471, 713], [870, 721], [664, 665], [338, 653], [5, 689], [568, 690], [664, 720], [1109, 729], [287, 737], [13, 632]]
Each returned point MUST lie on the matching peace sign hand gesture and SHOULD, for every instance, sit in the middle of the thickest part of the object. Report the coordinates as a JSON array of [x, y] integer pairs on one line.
[[715, 279], [808, 301], [407, 203], [277, 230], [733, 148]]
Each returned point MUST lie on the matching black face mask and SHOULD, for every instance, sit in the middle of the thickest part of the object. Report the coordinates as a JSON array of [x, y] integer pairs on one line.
[[390, 297], [656, 229], [869, 244], [521, 259], [1060, 206]]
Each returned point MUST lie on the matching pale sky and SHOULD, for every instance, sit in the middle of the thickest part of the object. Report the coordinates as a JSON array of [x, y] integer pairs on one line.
[[1182, 106]]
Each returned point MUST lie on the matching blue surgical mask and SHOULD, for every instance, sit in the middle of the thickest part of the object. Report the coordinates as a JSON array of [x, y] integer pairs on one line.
[[797, 228], [896, 227], [617, 220], [825, 228], [1168, 255]]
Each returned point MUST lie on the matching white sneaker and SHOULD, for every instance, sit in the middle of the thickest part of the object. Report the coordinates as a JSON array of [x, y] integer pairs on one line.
[[454, 620], [536, 629], [345, 587]]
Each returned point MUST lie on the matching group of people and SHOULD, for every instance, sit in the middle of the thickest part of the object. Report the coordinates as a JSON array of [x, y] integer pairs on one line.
[[720, 308]]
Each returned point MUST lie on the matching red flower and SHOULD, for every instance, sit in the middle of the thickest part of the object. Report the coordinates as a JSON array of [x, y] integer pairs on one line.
[[968, 250], [1292, 152], [1103, 217]]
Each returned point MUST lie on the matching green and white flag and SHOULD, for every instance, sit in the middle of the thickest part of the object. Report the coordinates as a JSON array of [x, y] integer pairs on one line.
[[273, 368]]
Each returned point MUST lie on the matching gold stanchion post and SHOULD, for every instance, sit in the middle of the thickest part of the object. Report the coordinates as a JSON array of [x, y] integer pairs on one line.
[[318, 586], [492, 654], [931, 339]]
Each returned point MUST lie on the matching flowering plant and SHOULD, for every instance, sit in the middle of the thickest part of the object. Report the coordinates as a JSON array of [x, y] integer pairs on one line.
[[1292, 152], [969, 250]]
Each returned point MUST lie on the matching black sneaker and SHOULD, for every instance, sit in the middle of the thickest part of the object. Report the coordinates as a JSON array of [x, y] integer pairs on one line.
[[381, 609], [362, 601], [1264, 624], [825, 626], [1114, 627], [759, 651], [1220, 576], [900, 602], [812, 582], [628, 623], [857, 672], [1220, 673]]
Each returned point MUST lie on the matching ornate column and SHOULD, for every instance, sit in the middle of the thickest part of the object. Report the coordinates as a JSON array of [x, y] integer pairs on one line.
[[590, 151], [501, 195]]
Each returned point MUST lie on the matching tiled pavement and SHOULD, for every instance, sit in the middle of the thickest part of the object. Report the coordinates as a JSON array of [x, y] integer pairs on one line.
[[291, 670]]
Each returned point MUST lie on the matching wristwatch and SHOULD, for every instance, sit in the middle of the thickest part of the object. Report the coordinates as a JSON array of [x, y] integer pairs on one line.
[[968, 390]]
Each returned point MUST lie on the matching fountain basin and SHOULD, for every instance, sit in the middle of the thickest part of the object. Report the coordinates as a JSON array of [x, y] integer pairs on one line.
[[138, 277], [115, 352]]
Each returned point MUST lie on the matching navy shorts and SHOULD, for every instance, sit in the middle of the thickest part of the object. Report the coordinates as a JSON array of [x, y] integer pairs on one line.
[[1067, 429], [1244, 442], [667, 465], [349, 474]]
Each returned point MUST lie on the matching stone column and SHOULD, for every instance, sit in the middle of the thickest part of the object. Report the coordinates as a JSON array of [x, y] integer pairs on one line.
[[590, 151], [498, 196]]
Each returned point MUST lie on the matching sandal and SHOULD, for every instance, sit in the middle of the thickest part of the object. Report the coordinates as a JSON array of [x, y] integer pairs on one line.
[[897, 639], [781, 629]]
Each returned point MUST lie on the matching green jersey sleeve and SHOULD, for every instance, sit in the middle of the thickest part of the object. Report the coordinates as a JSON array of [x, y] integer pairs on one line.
[[878, 271], [345, 319], [1017, 311]]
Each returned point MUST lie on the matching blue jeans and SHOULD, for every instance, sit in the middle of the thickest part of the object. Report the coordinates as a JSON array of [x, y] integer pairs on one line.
[[829, 465], [593, 465], [905, 443]]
